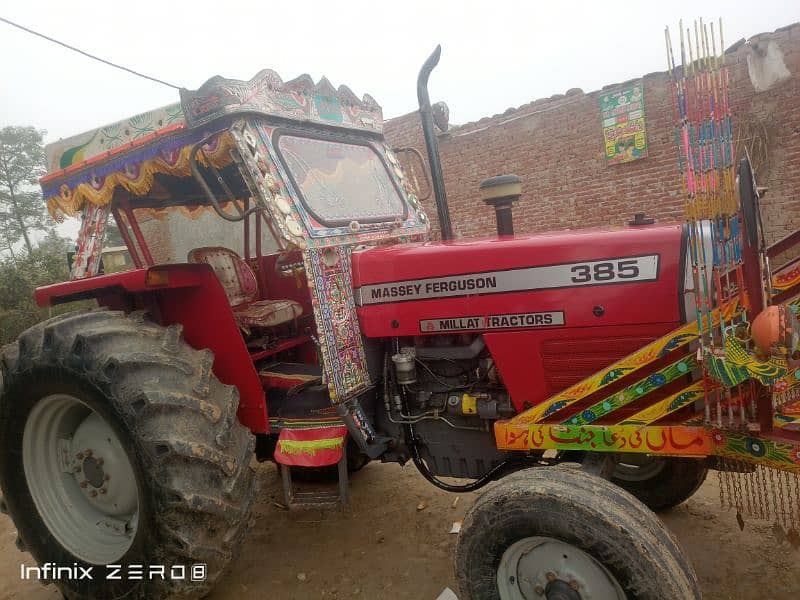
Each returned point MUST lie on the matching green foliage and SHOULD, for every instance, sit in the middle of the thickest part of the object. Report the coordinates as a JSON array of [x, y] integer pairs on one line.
[[22, 163], [20, 276], [113, 237]]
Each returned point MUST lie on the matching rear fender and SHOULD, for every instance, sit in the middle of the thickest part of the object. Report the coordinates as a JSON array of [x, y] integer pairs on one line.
[[188, 294]]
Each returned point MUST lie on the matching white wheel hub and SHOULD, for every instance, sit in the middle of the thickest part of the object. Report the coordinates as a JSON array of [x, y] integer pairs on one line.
[[80, 478], [547, 568]]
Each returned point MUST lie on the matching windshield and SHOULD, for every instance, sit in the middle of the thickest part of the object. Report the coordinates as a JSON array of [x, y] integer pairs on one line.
[[171, 232], [341, 182]]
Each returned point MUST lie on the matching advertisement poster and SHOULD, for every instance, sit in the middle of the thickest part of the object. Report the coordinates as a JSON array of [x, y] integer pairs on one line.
[[622, 113]]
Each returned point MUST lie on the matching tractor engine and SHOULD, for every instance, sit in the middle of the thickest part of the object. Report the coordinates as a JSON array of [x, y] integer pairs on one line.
[[480, 330], [448, 388]]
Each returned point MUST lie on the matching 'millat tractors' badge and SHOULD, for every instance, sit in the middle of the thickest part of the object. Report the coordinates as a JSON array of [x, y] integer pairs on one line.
[[624, 134]]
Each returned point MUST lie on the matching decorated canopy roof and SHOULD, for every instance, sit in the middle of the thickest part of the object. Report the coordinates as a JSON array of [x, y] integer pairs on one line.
[[88, 167], [266, 94]]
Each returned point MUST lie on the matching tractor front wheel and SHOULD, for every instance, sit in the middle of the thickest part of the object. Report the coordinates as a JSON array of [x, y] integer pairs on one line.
[[659, 482], [122, 455], [562, 533]]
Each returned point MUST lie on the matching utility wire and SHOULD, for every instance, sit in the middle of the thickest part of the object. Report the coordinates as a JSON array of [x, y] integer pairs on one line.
[[92, 56]]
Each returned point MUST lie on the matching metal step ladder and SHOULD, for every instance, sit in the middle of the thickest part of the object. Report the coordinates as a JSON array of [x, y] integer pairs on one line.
[[320, 498]]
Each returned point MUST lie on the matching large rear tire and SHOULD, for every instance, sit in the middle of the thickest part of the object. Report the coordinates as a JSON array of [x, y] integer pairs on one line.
[[560, 532], [121, 447]]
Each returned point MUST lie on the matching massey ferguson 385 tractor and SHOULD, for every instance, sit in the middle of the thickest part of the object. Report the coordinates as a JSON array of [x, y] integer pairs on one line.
[[286, 304]]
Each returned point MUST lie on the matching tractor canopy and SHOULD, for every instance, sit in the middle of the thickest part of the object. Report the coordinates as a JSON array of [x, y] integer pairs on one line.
[[306, 160]]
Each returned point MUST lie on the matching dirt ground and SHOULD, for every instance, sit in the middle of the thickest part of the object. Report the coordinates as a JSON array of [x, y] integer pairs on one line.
[[393, 541]]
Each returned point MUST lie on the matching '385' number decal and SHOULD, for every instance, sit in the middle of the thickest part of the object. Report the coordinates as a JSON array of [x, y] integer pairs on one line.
[[606, 271], [584, 273]]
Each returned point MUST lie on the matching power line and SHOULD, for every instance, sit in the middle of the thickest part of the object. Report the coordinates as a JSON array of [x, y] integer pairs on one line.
[[92, 56]]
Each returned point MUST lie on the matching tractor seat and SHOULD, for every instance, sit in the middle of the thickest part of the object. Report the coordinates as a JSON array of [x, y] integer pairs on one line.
[[241, 288]]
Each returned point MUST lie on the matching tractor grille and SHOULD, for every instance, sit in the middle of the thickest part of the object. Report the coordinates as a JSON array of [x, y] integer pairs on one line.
[[566, 362]]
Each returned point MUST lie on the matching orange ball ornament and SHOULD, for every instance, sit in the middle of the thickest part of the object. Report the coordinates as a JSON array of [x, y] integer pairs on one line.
[[775, 328]]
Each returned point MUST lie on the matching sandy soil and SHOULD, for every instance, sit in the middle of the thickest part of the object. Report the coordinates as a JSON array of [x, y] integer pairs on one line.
[[393, 541]]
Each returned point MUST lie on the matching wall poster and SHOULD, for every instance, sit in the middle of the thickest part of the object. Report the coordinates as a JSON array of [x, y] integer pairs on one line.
[[622, 114]]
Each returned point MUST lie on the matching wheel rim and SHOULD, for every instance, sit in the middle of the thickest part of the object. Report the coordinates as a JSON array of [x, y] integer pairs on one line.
[[80, 478], [638, 468], [544, 567]]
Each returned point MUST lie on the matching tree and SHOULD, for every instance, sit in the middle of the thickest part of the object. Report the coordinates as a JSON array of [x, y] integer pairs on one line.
[[113, 236], [19, 277], [22, 163]]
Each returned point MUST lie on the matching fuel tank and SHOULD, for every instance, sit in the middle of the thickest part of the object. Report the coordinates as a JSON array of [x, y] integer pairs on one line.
[[552, 308]]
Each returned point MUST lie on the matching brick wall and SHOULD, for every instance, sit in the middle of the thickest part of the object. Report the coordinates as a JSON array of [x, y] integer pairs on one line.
[[556, 145]]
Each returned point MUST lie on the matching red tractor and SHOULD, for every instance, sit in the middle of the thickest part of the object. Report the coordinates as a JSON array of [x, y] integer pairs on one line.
[[286, 304]]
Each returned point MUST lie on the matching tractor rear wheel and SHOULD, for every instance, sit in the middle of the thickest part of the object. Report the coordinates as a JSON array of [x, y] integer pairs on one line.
[[120, 447], [561, 533], [659, 482]]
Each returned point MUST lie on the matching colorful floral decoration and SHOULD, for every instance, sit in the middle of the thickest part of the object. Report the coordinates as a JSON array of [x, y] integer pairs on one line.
[[82, 147], [634, 391], [266, 94], [133, 168], [668, 441], [86, 261], [786, 280], [739, 365], [331, 285], [784, 455], [622, 368], [668, 405], [626, 367]]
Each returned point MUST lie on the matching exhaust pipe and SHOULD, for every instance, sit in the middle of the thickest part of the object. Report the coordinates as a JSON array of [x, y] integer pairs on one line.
[[432, 145]]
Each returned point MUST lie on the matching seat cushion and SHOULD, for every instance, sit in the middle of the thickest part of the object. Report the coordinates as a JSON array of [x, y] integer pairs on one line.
[[233, 273], [267, 313]]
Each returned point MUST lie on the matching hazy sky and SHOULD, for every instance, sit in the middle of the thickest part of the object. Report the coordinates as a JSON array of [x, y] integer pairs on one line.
[[496, 53]]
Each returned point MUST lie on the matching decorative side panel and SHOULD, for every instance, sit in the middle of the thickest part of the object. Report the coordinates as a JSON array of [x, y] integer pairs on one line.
[[86, 262], [668, 440], [331, 285]]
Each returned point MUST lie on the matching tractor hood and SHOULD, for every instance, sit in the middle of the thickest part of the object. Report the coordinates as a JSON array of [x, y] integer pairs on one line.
[[579, 278]]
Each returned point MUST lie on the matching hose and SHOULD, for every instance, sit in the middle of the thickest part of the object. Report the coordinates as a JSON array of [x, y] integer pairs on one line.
[[492, 475]]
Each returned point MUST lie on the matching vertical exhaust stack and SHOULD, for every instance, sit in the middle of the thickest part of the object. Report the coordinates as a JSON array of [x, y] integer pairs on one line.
[[432, 145], [501, 192]]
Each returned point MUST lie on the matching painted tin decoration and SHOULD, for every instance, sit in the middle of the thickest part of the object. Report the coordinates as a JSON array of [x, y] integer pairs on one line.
[[624, 134], [132, 168], [330, 282], [635, 391], [785, 280], [677, 440], [676, 339], [268, 95], [666, 440], [84, 146], [86, 262], [653, 351], [782, 455], [672, 403]]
